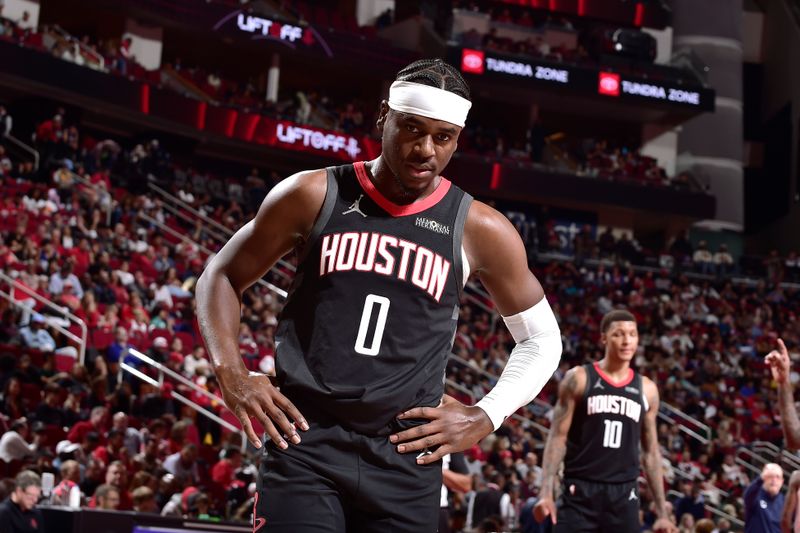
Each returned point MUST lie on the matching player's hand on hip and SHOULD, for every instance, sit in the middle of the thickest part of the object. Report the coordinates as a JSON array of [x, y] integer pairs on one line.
[[779, 363], [545, 507], [452, 426], [253, 396], [664, 525]]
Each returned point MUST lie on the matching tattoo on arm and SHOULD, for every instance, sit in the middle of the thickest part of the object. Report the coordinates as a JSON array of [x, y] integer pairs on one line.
[[651, 458], [556, 447]]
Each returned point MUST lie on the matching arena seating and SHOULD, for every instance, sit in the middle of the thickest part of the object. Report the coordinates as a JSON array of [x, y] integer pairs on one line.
[[703, 337], [304, 105]]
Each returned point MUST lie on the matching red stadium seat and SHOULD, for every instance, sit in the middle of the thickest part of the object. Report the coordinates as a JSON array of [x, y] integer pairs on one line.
[[187, 339], [102, 339], [160, 332], [32, 393], [64, 362]]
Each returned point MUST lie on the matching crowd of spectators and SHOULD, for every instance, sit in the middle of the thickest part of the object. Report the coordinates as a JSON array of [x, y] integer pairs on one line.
[[307, 107], [101, 251], [537, 44], [101, 261], [589, 157]]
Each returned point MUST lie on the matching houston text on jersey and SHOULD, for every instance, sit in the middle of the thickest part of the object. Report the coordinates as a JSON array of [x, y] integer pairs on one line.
[[609, 403], [386, 255]]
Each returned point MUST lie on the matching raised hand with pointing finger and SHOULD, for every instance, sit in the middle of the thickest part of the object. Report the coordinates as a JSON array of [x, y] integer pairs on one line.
[[781, 367], [779, 363]]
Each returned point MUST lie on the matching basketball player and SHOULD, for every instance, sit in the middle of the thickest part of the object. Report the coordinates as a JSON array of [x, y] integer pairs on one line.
[[604, 411], [384, 249]]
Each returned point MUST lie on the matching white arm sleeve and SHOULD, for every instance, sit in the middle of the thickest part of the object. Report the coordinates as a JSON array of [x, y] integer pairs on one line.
[[530, 364]]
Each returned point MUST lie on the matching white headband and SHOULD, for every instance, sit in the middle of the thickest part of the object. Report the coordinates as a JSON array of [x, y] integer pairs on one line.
[[427, 101]]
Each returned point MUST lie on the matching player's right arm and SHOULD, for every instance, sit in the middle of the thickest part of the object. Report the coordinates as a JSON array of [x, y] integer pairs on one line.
[[789, 508], [570, 391], [283, 221]]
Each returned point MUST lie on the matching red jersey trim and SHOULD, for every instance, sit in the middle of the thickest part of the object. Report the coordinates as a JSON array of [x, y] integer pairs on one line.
[[392, 208], [610, 381]]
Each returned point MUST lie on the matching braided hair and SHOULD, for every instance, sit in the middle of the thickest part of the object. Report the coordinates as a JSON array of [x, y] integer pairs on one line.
[[435, 73]]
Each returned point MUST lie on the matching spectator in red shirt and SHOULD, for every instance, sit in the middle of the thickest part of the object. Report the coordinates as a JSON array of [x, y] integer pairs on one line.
[[49, 131], [114, 450], [223, 472], [98, 421], [102, 176]]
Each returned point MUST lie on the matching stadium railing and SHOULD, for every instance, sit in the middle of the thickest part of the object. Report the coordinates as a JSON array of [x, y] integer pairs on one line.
[[75, 329], [688, 424], [109, 204], [770, 453], [754, 461], [164, 372], [181, 237], [28, 149], [711, 509], [220, 232], [87, 51]]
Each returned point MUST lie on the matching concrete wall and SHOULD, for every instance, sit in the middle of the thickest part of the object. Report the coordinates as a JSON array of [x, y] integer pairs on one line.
[[711, 145], [781, 53]]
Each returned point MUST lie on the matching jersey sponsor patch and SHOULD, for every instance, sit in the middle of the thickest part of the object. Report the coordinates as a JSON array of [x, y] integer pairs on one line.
[[432, 225], [386, 255]]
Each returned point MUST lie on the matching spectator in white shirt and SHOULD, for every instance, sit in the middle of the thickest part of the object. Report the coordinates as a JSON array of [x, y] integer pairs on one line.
[[60, 278], [703, 260], [723, 261], [6, 122], [14, 445], [34, 335], [196, 359], [183, 465]]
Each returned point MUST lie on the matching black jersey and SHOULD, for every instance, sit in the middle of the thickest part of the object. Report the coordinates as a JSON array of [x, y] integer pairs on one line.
[[603, 439], [372, 312]]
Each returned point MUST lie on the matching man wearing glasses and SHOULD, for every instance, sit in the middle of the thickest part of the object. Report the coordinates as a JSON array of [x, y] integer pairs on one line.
[[17, 512]]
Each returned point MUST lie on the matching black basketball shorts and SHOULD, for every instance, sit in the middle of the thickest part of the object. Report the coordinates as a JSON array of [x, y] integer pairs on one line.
[[590, 507], [339, 481]]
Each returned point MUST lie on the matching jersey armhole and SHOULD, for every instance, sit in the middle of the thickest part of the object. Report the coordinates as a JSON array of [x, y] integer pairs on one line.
[[460, 266], [587, 387], [644, 394], [324, 215]]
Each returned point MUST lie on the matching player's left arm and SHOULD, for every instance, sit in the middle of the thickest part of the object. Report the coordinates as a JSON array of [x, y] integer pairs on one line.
[[496, 253], [651, 457]]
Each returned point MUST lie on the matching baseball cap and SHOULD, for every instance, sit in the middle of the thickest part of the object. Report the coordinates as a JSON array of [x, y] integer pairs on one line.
[[66, 446], [160, 342]]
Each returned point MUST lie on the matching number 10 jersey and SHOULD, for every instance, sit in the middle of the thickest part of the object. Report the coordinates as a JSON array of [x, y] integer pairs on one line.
[[603, 439], [372, 312]]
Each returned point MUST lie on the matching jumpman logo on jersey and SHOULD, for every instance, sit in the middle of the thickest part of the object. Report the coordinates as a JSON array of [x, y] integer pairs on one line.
[[599, 385], [633, 495], [355, 208]]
